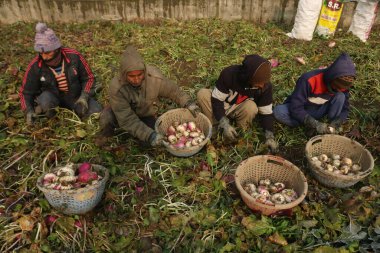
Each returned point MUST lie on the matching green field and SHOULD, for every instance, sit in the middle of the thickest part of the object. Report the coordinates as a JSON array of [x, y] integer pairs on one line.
[[155, 202]]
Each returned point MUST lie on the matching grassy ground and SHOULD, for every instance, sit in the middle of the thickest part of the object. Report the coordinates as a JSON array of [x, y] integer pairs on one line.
[[155, 202]]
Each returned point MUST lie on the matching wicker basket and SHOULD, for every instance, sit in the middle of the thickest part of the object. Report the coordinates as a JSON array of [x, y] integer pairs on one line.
[[345, 147], [76, 201], [183, 115], [276, 169]]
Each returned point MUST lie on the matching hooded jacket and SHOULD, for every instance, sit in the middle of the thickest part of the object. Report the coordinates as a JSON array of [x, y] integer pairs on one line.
[[313, 88], [38, 78], [130, 103], [233, 87]]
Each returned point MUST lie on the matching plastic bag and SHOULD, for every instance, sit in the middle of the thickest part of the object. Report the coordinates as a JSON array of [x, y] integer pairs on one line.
[[329, 17], [306, 19], [364, 17]]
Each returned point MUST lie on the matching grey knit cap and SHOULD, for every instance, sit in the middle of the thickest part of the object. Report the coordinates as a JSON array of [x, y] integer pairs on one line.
[[45, 40]]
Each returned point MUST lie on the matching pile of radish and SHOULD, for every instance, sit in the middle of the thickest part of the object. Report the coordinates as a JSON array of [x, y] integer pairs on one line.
[[336, 164], [269, 193], [184, 135], [66, 178]]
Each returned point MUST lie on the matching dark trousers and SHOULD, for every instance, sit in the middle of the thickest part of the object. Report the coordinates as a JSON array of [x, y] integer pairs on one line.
[[332, 109], [108, 121], [48, 100]]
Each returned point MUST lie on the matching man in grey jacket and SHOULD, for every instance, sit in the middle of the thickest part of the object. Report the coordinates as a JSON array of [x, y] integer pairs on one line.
[[134, 98]]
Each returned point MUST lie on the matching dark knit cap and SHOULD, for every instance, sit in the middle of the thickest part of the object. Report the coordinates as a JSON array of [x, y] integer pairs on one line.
[[262, 73]]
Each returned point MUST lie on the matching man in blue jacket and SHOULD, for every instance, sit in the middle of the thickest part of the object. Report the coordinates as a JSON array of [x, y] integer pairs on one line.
[[319, 93]]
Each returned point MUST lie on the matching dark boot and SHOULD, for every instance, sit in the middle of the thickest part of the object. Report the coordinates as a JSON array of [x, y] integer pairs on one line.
[[108, 131], [50, 113]]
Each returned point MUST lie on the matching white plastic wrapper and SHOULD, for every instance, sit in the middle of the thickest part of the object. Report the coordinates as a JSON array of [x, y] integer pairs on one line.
[[364, 17], [306, 19]]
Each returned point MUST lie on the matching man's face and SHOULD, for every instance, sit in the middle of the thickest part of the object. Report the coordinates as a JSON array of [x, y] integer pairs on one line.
[[135, 77], [46, 56], [336, 85]]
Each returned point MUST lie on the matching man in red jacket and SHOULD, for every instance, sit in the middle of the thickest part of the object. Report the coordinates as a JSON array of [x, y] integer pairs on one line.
[[57, 76]]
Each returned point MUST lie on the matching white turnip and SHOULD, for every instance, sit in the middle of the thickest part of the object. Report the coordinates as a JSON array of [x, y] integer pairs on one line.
[[69, 179], [172, 139], [191, 126], [194, 134], [181, 128], [356, 167], [278, 198], [171, 130], [347, 161], [49, 178]]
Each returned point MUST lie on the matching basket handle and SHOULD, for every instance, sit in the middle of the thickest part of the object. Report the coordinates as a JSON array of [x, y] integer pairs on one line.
[[158, 123], [316, 141], [275, 162]]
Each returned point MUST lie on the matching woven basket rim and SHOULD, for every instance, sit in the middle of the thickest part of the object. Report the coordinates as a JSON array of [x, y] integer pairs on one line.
[[275, 207], [76, 191], [317, 169], [184, 150]]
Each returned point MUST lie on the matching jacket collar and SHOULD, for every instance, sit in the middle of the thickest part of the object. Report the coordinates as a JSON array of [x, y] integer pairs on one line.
[[63, 52]]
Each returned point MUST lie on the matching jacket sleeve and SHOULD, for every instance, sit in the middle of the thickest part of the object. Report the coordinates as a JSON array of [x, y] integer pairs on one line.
[[127, 118], [86, 76], [168, 89], [30, 87], [299, 100], [265, 107], [218, 96]]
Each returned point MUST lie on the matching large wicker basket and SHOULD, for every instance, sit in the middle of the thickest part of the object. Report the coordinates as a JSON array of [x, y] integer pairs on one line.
[[76, 201], [183, 115], [336, 144], [275, 168]]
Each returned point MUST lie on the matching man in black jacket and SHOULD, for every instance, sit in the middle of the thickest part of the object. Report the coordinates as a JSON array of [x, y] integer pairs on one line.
[[57, 76], [240, 93]]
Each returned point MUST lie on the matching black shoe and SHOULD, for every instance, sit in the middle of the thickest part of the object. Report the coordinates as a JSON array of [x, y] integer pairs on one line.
[[50, 113]]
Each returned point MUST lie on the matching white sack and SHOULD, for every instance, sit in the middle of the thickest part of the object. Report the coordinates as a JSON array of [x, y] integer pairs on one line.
[[306, 19], [364, 17]]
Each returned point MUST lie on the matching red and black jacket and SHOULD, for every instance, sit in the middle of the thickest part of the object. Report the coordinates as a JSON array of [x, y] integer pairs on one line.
[[38, 78], [232, 87]]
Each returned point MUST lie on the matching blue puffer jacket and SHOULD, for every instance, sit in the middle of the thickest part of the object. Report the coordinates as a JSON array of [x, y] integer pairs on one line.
[[313, 88]]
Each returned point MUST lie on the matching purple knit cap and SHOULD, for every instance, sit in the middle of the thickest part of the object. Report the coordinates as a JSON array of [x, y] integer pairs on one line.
[[45, 40]]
